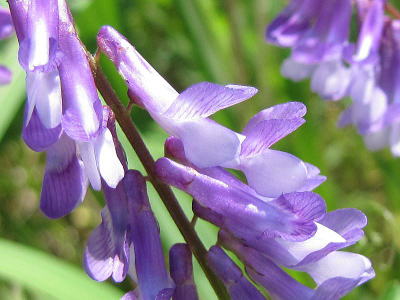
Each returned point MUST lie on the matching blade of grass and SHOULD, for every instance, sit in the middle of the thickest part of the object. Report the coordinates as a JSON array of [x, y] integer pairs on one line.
[[42, 272]]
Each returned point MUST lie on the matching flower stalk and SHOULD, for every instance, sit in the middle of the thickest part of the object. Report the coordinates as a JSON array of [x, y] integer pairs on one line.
[[167, 196]]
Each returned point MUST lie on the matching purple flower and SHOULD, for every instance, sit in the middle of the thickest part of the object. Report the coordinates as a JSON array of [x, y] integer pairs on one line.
[[6, 30], [291, 216], [64, 183], [207, 143], [241, 213], [365, 70], [62, 96], [128, 240], [312, 30], [67, 170], [183, 115], [181, 269], [336, 273], [237, 285]]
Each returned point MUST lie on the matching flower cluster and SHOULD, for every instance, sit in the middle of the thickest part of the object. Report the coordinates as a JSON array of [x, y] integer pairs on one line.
[[63, 113], [274, 221], [364, 69], [275, 218]]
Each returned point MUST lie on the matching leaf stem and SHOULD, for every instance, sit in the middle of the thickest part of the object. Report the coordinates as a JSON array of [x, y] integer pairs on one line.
[[167, 196], [392, 10]]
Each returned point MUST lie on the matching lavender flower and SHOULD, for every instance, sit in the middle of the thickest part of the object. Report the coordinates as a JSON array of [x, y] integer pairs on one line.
[[238, 286], [364, 70], [336, 273], [267, 227], [63, 113], [207, 143], [181, 269]]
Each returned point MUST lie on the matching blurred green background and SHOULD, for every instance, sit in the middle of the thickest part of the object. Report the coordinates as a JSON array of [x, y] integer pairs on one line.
[[187, 41]]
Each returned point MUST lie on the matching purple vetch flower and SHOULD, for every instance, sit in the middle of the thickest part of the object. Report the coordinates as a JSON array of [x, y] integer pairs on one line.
[[336, 273], [237, 285], [290, 216], [64, 183], [39, 44], [217, 193], [107, 251], [206, 143], [66, 174], [36, 24], [62, 96], [311, 30], [181, 269], [82, 109], [146, 249], [364, 70], [184, 115]]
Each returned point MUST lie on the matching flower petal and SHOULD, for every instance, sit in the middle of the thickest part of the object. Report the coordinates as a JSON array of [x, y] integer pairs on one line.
[[64, 184], [143, 81], [206, 143], [181, 269], [238, 286], [286, 173], [36, 135], [103, 257], [205, 98], [285, 111], [87, 154], [145, 235], [266, 133], [109, 165]]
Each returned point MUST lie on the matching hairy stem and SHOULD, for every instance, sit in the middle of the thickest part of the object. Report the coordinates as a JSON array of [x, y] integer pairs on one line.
[[167, 196], [392, 10]]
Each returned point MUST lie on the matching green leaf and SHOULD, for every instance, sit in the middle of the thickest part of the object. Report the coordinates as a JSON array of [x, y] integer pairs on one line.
[[392, 292], [11, 95], [45, 273]]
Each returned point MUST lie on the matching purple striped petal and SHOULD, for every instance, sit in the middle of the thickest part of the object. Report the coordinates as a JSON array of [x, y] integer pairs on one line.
[[143, 81], [205, 98], [19, 14], [103, 256], [82, 109], [371, 30], [148, 254], [290, 217], [64, 183], [266, 133], [238, 286], [181, 269], [36, 135], [38, 49], [328, 35], [284, 111], [288, 28]]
